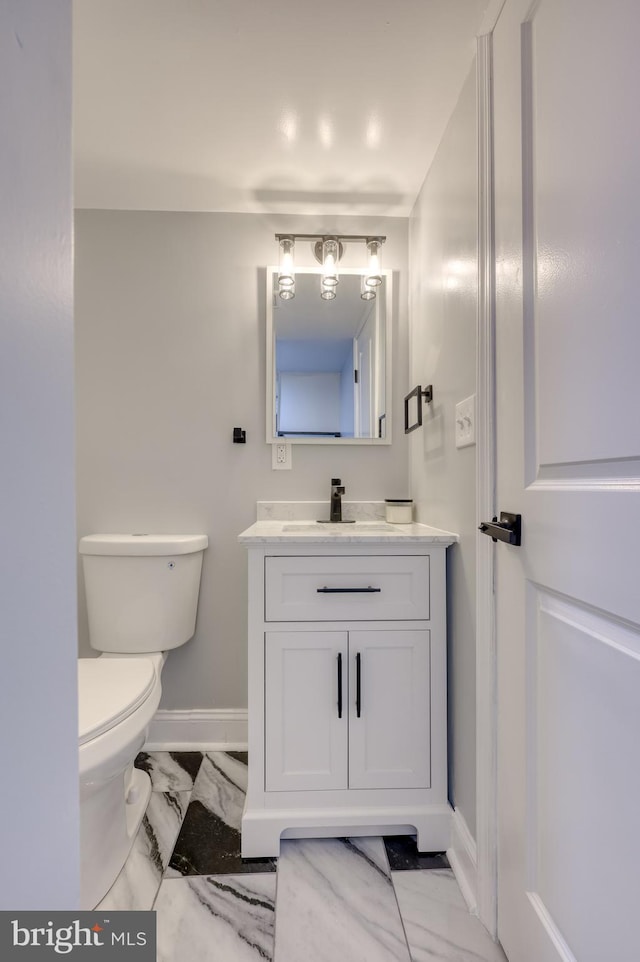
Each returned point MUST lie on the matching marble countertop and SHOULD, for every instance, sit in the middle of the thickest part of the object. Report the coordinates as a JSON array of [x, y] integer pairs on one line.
[[361, 532]]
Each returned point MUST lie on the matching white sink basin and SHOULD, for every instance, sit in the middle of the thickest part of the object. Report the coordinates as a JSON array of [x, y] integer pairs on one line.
[[318, 527]]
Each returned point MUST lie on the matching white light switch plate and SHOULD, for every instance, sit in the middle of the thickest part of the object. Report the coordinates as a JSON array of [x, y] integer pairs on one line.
[[281, 456], [466, 422]]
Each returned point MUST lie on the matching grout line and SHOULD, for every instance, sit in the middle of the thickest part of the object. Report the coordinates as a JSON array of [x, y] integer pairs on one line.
[[395, 895], [275, 905], [404, 930]]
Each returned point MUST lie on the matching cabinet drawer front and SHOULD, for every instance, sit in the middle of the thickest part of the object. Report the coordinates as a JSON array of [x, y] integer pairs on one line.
[[347, 588]]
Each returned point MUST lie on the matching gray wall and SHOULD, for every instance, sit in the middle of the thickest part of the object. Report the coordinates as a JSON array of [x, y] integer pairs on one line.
[[442, 309], [170, 318], [38, 681]]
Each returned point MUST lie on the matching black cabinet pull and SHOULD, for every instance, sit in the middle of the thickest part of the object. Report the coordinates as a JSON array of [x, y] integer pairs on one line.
[[358, 685], [347, 591], [340, 685]]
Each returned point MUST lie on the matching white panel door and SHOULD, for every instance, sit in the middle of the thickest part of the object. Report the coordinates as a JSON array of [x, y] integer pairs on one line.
[[389, 709], [305, 718], [567, 196]]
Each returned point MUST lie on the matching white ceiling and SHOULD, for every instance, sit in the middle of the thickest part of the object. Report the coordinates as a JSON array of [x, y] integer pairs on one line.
[[308, 317], [335, 106]]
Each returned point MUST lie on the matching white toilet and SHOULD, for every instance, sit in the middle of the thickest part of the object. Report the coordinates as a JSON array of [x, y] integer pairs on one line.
[[142, 597]]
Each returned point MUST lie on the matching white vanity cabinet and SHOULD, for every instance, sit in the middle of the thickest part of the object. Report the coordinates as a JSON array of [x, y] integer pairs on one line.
[[347, 687]]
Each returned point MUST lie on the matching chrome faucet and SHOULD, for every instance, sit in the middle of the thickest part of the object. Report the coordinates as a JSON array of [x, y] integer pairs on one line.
[[337, 490]]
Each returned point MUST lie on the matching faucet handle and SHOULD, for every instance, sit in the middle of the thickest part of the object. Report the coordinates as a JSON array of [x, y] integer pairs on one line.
[[336, 481]]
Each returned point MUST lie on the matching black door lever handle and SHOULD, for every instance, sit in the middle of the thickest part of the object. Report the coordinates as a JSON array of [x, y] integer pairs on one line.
[[508, 528]]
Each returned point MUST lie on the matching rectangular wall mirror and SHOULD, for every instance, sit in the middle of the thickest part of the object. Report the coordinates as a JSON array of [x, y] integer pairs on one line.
[[329, 361]]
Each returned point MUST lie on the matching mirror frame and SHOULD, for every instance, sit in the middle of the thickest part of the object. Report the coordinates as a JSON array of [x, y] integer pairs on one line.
[[271, 436]]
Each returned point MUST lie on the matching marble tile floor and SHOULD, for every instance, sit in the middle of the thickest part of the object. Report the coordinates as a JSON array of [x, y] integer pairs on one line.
[[344, 900]]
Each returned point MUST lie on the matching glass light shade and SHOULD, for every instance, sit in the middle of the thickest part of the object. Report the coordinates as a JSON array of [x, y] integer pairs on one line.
[[367, 292], [327, 291], [330, 258], [287, 293], [374, 277], [286, 273]]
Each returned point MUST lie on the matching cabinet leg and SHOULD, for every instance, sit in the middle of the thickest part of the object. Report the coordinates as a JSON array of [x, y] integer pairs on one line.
[[433, 832], [260, 838]]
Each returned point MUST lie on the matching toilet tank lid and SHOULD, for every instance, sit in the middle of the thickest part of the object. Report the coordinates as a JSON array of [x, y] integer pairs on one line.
[[143, 544]]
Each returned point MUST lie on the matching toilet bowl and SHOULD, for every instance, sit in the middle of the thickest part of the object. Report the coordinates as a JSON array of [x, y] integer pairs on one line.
[[119, 692]]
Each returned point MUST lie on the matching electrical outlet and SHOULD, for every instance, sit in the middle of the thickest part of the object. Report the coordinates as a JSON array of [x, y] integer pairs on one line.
[[466, 422], [281, 456]]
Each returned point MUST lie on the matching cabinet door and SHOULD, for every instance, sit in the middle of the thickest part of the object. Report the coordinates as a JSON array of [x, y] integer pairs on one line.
[[305, 737], [389, 724]]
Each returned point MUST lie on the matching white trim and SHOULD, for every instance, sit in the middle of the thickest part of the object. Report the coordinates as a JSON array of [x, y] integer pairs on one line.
[[271, 437], [463, 858], [486, 660], [564, 952], [222, 729]]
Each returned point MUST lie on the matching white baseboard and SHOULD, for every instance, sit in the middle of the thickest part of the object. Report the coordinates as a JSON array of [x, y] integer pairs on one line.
[[222, 729], [463, 858]]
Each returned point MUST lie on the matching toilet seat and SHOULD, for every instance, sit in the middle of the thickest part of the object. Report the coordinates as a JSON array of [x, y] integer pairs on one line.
[[109, 691]]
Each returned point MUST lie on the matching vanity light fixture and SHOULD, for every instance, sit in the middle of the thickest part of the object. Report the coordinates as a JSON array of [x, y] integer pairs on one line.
[[328, 249]]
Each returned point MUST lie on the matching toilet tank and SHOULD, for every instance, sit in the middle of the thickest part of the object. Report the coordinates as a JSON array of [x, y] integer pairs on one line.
[[141, 590]]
